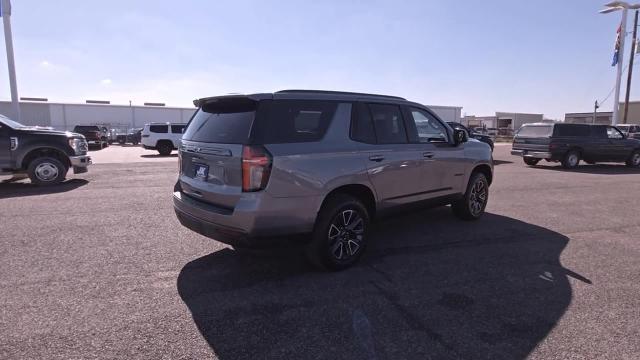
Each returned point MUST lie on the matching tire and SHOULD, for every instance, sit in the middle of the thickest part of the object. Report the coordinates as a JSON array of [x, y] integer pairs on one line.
[[46, 171], [634, 159], [340, 234], [571, 159], [165, 148], [531, 161], [472, 205]]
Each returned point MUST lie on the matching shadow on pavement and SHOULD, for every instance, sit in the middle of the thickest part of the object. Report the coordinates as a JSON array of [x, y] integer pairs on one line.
[[159, 156], [602, 169], [501, 162], [19, 189], [430, 286]]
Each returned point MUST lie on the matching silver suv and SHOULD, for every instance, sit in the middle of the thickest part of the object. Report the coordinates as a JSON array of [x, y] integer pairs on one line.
[[319, 166]]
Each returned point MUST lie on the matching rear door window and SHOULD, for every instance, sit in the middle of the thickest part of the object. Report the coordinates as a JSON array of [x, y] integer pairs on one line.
[[572, 130], [599, 131], [177, 129], [159, 129], [361, 125], [388, 124], [294, 121]]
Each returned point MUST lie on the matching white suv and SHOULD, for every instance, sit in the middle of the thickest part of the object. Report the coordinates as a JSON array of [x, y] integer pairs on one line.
[[164, 137]]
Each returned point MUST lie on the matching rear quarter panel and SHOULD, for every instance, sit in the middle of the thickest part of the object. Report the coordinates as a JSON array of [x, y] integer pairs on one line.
[[313, 169]]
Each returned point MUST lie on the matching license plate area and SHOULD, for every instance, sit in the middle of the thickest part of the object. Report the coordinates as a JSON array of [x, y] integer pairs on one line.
[[200, 171]]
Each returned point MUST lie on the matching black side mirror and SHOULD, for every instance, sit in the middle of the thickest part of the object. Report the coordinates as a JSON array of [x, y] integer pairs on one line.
[[459, 136]]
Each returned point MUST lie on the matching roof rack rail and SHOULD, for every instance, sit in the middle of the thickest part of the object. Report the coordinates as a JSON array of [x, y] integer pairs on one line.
[[328, 92]]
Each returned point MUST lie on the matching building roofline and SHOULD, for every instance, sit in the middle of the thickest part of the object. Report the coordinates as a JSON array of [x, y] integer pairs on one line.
[[102, 105]]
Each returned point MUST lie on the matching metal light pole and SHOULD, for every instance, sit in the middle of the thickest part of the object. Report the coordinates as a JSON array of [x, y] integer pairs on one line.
[[611, 7], [630, 72], [5, 12]]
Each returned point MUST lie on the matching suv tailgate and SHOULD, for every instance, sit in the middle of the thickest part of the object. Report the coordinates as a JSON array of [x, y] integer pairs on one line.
[[211, 150]]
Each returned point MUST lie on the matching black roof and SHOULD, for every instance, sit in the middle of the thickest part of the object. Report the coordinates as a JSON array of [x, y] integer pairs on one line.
[[327, 92], [295, 93]]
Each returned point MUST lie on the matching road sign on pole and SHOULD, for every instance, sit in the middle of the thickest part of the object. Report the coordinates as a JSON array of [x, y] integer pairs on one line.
[[5, 12]]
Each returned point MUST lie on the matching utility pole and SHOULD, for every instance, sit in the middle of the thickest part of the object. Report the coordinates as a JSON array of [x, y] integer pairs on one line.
[[595, 111], [616, 96], [631, 57], [5, 13]]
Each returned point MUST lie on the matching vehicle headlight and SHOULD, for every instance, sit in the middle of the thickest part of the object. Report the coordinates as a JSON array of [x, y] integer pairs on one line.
[[79, 146]]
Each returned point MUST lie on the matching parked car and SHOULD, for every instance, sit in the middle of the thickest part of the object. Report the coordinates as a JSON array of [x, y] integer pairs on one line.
[[94, 135], [164, 137], [44, 155], [570, 143], [133, 136], [492, 132], [319, 166], [473, 134], [631, 131]]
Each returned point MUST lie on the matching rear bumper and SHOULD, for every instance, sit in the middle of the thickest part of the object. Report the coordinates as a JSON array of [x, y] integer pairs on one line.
[[532, 154], [257, 221]]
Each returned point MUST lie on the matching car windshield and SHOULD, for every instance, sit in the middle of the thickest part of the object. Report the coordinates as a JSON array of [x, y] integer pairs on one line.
[[535, 131], [623, 128], [10, 123]]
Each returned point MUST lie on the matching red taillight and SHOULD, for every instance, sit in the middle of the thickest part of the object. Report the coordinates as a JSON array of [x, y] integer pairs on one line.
[[256, 168]]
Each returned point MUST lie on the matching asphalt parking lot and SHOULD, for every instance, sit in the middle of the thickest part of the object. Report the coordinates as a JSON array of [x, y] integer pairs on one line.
[[99, 267]]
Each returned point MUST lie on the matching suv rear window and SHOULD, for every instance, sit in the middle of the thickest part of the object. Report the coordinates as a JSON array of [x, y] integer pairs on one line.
[[295, 121], [161, 129], [226, 121], [535, 131], [572, 130]]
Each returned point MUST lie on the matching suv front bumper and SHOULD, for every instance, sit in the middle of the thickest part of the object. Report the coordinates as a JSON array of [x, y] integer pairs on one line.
[[80, 163]]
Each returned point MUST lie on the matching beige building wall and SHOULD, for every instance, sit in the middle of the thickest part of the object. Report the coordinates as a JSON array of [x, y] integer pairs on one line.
[[633, 117]]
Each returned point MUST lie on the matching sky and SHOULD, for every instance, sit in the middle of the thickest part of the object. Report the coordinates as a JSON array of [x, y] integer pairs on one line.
[[541, 56]]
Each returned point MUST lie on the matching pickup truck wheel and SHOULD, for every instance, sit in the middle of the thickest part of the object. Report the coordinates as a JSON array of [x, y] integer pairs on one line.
[[531, 161], [571, 159], [46, 171], [165, 149], [474, 201], [340, 234], [634, 159]]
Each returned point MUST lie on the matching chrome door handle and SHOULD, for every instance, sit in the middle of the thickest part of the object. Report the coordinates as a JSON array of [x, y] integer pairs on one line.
[[428, 154], [377, 158]]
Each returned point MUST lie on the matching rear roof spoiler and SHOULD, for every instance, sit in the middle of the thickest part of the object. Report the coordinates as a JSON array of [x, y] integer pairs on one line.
[[262, 96]]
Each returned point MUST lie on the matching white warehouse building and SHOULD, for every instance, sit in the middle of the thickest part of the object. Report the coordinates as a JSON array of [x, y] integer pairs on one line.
[[64, 116]]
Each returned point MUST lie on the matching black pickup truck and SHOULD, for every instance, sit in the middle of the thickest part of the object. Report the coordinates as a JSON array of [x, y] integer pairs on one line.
[[570, 143], [44, 155], [95, 135], [473, 134]]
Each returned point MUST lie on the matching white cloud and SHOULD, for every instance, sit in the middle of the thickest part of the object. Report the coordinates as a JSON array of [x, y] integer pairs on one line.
[[45, 64], [105, 81]]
